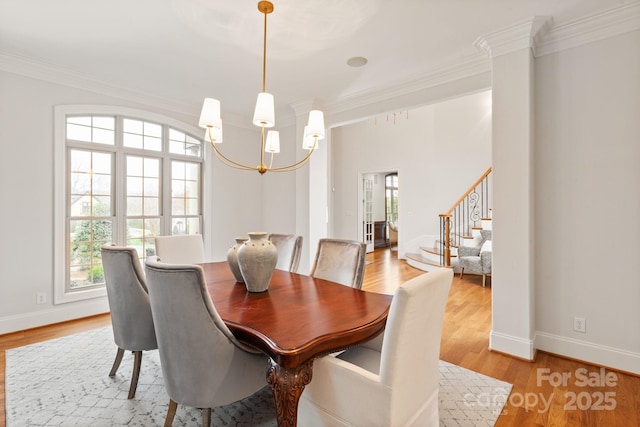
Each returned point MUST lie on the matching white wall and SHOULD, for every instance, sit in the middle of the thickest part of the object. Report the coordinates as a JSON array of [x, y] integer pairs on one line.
[[26, 194], [587, 177], [439, 151]]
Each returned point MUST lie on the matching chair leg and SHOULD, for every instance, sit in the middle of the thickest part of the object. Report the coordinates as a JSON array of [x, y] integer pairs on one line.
[[116, 363], [171, 413], [206, 417], [461, 271], [484, 280], [137, 362]]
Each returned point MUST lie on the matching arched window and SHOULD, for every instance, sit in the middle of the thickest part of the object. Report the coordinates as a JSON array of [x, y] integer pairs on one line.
[[122, 176]]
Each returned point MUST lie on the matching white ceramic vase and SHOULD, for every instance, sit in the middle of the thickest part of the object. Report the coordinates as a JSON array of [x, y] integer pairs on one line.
[[232, 259], [257, 259]]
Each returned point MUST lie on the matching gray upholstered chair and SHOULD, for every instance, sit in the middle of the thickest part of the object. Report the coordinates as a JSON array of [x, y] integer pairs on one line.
[[390, 381], [130, 309], [203, 365], [289, 249], [180, 249], [340, 261], [477, 259]]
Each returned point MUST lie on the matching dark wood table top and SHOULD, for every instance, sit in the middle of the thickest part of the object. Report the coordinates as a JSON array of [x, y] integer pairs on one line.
[[298, 318]]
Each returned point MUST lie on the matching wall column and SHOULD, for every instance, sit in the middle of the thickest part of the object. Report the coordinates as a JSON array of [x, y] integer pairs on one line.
[[513, 277]]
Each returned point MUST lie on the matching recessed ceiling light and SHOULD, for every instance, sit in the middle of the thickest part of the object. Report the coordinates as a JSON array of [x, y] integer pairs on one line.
[[357, 61]]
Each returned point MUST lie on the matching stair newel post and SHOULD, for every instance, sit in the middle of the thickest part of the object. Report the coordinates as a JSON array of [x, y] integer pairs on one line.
[[445, 220]]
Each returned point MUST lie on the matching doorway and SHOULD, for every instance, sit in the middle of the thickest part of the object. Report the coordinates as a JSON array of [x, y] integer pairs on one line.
[[378, 193]]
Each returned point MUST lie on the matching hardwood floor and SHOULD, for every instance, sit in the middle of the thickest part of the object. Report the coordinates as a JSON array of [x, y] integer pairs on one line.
[[539, 396]]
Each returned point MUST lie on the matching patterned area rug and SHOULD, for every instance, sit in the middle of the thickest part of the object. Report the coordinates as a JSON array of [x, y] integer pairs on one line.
[[64, 382]]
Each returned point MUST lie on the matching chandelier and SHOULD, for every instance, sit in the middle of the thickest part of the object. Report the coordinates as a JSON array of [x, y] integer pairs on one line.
[[264, 117]]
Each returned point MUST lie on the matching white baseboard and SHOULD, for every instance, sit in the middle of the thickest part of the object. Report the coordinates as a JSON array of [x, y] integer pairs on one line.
[[56, 314], [512, 345], [597, 354]]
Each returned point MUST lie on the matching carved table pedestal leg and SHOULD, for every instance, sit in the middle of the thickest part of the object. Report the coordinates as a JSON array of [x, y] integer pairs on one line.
[[287, 385]]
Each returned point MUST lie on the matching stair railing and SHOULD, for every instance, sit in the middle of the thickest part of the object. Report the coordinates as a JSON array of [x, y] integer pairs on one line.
[[466, 214]]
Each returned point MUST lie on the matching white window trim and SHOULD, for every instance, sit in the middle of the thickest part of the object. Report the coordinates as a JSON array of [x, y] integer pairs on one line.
[[60, 295]]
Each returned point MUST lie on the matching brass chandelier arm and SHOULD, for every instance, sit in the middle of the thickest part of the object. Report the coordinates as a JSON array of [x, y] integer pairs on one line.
[[298, 164], [227, 161], [262, 168]]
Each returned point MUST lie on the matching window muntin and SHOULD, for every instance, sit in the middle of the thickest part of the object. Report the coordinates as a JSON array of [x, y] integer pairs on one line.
[[117, 191]]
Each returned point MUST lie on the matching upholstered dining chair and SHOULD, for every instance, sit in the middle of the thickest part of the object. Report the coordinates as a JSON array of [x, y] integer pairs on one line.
[[476, 259], [129, 305], [340, 261], [390, 381], [203, 365], [180, 249], [289, 248]]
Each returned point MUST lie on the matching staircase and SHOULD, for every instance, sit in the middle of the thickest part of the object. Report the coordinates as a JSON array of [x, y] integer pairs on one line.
[[462, 223]]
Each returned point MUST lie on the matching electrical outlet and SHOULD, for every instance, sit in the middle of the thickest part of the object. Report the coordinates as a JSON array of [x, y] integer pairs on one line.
[[580, 324], [41, 298]]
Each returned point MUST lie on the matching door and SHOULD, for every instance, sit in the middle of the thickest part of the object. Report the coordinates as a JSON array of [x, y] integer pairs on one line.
[[367, 209]]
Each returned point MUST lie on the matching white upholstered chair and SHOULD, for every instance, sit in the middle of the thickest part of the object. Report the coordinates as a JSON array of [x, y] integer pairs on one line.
[[203, 365], [391, 381], [129, 305], [289, 248], [340, 261], [180, 249]]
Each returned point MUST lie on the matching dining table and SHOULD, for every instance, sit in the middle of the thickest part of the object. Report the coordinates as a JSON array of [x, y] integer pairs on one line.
[[296, 320]]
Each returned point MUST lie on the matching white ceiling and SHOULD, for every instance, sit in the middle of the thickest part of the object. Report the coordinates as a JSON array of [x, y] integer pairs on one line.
[[184, 50]]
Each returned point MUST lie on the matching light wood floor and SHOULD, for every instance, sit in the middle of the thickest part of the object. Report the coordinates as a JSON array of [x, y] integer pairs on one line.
[[534, 401]]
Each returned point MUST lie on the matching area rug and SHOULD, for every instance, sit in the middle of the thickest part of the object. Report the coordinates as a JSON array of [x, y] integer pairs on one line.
[[64, 382]]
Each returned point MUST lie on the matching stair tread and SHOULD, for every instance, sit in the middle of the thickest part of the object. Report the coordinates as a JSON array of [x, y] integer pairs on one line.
[[434, 251], [420, 258]]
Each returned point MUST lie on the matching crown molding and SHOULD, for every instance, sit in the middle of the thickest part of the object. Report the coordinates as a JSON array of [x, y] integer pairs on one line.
[[42, 71], [472, 66], [589, 29], [515, 37]]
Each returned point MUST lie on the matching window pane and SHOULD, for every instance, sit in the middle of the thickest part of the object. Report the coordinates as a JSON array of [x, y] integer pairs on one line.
[[101, 163], [151, 206], [134, 166], [134, 206], [86, 237], [181, 143], [151, 167], [192, 207], [140, 134], [151, 187], [134, 186], [131, 140], [80, 183], [132, 126], [177, 170], [101, 184], [91, 129], [104, 122], [79, 133], [177, 206], [102, 136]]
